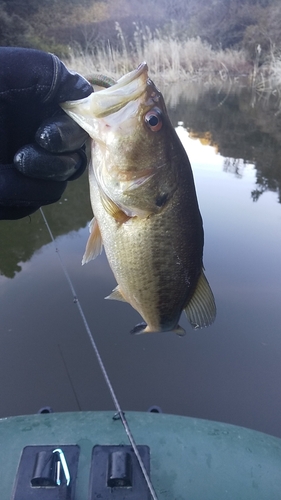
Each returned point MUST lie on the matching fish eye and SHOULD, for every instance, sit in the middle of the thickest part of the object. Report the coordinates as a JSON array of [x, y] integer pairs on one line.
[[153, 119]]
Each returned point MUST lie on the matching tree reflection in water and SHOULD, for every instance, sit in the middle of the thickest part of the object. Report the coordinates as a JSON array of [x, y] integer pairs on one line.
[[241, 129], [228, 372]]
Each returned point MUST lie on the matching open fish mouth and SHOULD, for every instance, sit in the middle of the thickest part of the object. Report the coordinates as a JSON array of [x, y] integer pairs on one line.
[[130, 77], [110, 100]]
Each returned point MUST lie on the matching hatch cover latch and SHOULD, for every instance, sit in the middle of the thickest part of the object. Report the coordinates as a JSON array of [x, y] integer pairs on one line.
[[116, 473], [47, 473]]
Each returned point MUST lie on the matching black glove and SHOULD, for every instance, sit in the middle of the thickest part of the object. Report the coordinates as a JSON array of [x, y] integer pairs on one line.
[[40, 146]]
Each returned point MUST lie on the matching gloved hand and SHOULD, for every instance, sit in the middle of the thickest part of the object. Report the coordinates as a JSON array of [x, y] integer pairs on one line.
[[40, 146]]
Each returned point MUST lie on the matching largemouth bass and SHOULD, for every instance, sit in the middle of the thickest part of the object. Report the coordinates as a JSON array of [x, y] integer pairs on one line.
[[145, 207]]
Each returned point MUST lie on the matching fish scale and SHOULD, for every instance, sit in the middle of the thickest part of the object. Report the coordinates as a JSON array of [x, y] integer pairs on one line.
[[145, 206], [147, 274]]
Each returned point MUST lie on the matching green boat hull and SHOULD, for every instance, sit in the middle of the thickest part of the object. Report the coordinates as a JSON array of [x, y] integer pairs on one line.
[[190, 459]]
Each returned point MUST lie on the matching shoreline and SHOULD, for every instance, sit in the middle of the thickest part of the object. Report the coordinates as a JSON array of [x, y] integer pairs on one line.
[[192, 61]]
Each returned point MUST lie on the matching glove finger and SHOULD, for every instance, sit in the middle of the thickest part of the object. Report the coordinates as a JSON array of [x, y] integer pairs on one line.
[[33, 161], [70, 85], [60, 134]]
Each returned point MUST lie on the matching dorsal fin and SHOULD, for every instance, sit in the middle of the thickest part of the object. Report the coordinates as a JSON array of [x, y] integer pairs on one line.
[[201, 309]]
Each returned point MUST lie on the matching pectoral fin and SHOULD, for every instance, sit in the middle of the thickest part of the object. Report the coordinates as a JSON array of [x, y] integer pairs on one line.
[[113, 209], [94, 243], [116, 294], [201, 309]]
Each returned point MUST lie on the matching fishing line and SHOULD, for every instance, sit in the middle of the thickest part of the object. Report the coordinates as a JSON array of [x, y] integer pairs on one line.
[[69, 378], [120, 413]]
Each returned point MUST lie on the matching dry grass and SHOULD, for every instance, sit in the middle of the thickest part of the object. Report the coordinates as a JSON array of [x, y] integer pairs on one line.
[[168, 59], [171, 60], [265, 81], [270, 79]]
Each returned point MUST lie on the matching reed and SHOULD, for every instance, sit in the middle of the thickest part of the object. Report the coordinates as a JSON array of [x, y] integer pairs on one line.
[[168, 58], [273, 73], [172, 60]]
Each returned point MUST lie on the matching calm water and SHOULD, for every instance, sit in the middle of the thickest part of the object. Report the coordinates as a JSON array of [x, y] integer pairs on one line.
[[229, 372]]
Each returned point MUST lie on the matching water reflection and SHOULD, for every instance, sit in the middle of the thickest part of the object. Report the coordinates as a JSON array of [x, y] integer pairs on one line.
[[241, 128], [228, 372], [20, 239], [238, 130]]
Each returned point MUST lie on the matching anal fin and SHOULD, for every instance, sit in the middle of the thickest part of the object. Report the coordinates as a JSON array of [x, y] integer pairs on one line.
[[116, 294], [141, 328], [94, 243], [201, 309]]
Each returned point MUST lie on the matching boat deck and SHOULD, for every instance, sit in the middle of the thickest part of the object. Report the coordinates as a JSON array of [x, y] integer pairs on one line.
[[190, 458]]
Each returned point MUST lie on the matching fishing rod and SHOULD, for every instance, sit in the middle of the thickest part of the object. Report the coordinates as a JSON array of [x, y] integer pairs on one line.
[[120, 414]]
